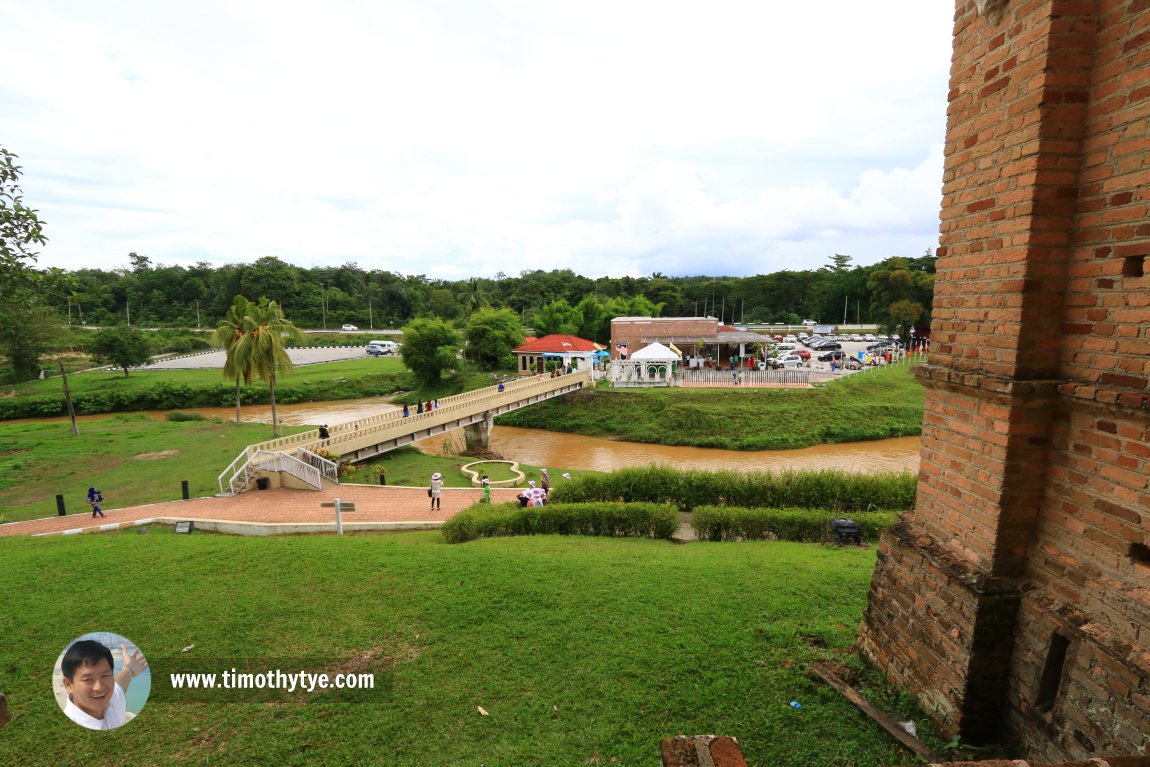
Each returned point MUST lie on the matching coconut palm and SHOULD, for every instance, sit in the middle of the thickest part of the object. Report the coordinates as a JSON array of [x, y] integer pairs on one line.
[[473, 297], [263, 346], [228, 335]]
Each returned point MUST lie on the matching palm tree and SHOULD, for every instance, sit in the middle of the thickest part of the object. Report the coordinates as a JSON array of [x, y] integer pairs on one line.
[[473, 297], [263, 346], [228, 335]]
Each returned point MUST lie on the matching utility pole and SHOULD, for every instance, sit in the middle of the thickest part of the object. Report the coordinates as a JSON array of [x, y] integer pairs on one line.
[[197, 314]]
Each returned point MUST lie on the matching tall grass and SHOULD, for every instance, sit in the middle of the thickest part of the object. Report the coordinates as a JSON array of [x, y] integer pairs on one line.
[[729, 523], [689, 489]]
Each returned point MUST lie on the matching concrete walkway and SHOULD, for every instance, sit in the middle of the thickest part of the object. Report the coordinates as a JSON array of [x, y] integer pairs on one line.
[[398, 507]]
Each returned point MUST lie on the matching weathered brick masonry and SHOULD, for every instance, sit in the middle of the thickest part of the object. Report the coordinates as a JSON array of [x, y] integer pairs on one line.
[[1015, 599]]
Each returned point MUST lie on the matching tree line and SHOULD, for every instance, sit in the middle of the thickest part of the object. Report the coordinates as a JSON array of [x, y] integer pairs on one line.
[[35, 304]]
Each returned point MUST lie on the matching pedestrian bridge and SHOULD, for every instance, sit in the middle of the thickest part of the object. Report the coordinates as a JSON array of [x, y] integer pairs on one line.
[[293, 461]]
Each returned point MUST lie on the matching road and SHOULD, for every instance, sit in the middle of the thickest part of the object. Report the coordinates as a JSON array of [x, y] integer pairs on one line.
[[309, 356]]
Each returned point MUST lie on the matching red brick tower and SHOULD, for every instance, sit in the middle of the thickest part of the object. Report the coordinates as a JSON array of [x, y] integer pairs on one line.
[[1015, 599]]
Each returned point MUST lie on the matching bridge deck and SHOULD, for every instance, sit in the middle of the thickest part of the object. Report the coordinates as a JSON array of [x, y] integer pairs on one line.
[[377, 434]]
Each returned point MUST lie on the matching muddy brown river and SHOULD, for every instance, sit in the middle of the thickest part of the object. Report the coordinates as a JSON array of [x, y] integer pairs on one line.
[[573, 451]]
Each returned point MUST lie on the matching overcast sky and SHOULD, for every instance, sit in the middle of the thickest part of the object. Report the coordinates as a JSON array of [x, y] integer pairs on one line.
[[458, 138]]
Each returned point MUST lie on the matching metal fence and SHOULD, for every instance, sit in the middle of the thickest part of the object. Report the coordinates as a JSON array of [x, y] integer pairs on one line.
[[761, 378]]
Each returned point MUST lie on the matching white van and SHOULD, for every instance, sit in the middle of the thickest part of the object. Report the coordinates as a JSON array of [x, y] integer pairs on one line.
[[376, 348], [785, 347]]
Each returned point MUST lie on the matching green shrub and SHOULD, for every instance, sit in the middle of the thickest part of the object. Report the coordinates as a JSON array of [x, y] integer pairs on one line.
[[730, 523], [636, 520], [688, 489], [183, 415]]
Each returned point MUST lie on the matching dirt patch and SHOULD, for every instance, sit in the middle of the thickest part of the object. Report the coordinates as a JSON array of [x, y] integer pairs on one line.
[[13, 452], [155, 456]]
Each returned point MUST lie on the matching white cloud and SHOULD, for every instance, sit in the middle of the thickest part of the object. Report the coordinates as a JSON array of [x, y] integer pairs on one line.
[[454, 138]]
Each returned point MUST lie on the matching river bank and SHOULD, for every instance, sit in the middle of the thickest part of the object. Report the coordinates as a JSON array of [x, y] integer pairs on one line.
[[877, 404]]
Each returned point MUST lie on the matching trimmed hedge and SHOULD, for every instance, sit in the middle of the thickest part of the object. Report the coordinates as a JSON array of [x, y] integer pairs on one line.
[[689, 489], [729, 523], [637, 520]]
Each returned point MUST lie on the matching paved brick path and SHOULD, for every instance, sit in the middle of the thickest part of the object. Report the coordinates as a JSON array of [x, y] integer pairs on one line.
[[373, 504]]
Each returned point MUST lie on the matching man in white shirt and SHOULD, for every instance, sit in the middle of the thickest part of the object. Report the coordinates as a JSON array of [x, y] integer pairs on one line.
[[96, 697]]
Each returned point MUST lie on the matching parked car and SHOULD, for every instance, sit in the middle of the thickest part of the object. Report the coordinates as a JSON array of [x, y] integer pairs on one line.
[[377, 348], [836, 354], [850, 363], [828, 346], [868, 337], [787, 361], [802, 354], [856, 337], [349, 327]]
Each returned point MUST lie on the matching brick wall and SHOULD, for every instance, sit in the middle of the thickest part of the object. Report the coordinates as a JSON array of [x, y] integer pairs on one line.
[[1021, 583]]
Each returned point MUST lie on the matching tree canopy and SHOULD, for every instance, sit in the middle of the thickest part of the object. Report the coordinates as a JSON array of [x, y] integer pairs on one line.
[[491, 335], [430, 347], [121, 346]]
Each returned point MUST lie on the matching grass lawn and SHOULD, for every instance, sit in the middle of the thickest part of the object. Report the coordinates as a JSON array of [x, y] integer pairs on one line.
[[408, 466], [886, 402], [129, 457], [582, 651]]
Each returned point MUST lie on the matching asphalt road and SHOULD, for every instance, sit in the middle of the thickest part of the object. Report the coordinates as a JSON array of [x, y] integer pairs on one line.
[[308, 356]]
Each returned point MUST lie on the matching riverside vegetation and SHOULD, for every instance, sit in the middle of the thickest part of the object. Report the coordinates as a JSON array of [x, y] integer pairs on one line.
[[726, 505], [880, 403]]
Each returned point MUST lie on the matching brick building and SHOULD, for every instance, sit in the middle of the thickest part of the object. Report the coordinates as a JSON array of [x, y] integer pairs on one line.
[[702, 336], [1015, 599]]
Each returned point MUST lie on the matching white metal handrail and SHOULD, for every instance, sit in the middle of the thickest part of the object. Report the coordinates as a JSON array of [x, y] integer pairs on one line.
[[327, 469], [271, 460]]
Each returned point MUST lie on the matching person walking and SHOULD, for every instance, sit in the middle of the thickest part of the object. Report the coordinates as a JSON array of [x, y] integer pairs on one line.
[[486, 490], [95, 498], [406, 412], [434, 490]]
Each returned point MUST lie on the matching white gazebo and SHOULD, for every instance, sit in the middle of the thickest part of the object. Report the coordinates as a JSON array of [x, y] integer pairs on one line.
[[653, 365]]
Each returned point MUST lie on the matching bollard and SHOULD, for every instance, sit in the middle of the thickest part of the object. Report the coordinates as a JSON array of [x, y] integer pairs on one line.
[[184, 488], [60, 505]]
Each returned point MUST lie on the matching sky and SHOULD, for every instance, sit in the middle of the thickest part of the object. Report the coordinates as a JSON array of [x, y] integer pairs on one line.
[[460, 138]]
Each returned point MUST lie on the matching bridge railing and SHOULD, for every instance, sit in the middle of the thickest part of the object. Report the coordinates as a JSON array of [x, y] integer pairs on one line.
[[451, 409]]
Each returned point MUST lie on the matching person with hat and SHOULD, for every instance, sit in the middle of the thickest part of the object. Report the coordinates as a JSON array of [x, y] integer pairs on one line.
[[434, 490], [545, 480]]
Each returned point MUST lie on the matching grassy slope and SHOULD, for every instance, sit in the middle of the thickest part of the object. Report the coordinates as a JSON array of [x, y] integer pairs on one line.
[[875, 405], [580, 649], [41, 459]]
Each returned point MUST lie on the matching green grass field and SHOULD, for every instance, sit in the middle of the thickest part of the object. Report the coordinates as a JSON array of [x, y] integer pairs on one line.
[[130, 458], [881, 403], [582, 651]]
